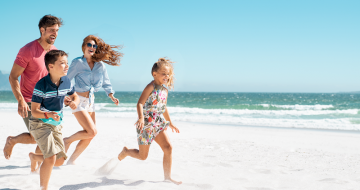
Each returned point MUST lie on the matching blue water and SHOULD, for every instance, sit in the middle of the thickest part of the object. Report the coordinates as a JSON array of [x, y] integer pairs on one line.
[[295, 110]]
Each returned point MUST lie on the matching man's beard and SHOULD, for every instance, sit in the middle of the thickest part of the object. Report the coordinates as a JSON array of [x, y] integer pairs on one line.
[[50, 42]]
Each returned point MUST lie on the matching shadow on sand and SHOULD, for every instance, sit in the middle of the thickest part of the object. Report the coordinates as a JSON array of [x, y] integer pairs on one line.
[[105, 182], [12, 167]]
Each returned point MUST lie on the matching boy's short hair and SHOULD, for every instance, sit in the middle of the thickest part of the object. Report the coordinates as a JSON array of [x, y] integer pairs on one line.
[[49, 20], [52, 56]]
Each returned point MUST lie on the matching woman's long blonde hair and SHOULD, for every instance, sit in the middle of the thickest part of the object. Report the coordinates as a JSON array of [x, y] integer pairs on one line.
[[165, 62], [104, 52]]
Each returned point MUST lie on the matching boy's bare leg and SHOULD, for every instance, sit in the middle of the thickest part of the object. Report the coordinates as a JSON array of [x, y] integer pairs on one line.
[[35, 159], [24, 138], [140, 154], [59, 162], [45, 171], [163, 140], [38, 151]]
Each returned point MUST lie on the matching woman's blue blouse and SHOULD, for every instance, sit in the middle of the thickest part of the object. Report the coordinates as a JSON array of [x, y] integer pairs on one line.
[[87, 79]]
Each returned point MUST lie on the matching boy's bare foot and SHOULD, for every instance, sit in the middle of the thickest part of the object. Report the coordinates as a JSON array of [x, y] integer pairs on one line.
[[34, 165], [123, 153], [67, 144], [173, 181], [8, 147]]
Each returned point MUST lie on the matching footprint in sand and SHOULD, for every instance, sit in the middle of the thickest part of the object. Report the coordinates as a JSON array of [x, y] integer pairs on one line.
[[263, 171], [225, 165], [333, 180], [240, 179], [208, 165], [258, 188], [200, 186]]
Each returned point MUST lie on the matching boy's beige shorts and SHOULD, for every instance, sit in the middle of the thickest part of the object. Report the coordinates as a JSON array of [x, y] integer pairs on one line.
[[48, 137]]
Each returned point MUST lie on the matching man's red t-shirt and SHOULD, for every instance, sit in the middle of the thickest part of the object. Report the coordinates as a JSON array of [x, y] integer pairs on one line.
[[31, 57]]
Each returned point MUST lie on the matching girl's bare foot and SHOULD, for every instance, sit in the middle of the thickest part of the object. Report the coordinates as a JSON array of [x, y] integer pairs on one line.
[[34, 165], [173, 181], [8, 147], [123, 153]]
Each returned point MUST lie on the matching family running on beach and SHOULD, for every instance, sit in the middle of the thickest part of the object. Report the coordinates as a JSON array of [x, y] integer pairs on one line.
[[45, 87]]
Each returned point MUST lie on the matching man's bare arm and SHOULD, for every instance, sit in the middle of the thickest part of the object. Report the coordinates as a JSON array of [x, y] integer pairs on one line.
[[16, 71]]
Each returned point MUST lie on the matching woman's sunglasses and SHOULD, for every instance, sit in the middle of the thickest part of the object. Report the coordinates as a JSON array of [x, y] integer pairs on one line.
[[90, 45]]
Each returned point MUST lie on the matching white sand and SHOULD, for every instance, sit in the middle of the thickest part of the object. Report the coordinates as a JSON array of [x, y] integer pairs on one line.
[[204, 157]]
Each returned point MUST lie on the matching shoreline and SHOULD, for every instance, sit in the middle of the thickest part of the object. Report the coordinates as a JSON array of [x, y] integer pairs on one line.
[[204, 157]]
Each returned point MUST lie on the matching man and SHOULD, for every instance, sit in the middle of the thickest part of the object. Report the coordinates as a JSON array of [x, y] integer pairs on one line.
[[30, 65]]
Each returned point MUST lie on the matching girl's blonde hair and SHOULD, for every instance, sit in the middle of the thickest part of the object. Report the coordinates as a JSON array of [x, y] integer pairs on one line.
[[104, 52], [165, 62]]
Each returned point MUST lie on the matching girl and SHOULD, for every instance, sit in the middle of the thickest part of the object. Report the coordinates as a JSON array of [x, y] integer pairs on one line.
[[90, 75], [154, 117]]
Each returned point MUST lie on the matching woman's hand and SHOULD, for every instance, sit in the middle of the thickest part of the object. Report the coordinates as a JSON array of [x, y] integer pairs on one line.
[[173, 127], [115, 100], [140, 124]]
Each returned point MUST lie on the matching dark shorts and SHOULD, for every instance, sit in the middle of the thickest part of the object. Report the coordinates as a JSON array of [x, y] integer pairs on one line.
[[26, 119]]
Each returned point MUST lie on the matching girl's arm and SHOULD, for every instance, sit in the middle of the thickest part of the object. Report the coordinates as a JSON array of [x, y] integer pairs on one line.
[[144, 96], [36, 112], [172, 126], [167, 117]]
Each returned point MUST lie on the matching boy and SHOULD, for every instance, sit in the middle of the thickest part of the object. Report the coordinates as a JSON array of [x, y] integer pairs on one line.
[[46, 109]]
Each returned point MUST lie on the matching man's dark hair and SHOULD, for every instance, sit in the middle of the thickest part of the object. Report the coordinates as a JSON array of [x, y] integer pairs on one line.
[[52, 56], [49, 20]]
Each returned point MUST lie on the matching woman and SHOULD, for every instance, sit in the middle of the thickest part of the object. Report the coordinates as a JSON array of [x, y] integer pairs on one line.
[[90, 75]]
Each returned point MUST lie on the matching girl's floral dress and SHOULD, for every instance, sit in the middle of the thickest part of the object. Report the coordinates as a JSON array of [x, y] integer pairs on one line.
[[154, 121]]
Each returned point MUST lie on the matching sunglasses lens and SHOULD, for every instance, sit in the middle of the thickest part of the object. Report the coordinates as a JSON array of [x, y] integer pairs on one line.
[[95, 46], [89, 45]]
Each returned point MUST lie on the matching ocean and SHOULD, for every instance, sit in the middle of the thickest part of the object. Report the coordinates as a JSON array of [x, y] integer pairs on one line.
[[339, 111]]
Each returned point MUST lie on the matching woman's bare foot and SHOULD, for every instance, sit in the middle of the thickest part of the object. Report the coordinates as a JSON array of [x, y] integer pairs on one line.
[[70, 162], [8, 147], [34, 165], [67, 144], [123, 153], [173, 181]]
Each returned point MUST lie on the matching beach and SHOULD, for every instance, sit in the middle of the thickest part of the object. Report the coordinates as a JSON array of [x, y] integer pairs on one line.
[[205, 156]]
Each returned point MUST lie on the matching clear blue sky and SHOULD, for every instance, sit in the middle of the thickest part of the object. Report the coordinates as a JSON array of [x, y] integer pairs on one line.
[[224, 46]]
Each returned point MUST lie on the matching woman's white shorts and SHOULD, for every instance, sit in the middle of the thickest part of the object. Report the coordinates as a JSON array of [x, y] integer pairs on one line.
[[85, 105]]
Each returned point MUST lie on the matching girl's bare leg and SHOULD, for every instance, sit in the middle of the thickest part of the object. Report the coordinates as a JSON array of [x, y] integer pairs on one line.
[[87, 121], [140, 154], [163, 140]]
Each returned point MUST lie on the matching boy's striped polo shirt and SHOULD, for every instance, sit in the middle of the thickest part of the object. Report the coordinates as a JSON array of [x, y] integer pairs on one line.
[[51, 97]]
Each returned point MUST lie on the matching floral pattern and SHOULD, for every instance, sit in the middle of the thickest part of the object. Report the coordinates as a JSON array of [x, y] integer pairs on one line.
[[154, 121]]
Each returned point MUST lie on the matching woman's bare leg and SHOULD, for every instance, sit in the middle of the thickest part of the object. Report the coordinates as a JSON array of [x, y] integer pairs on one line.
[[87, 121], [163, 140], [140, 154]]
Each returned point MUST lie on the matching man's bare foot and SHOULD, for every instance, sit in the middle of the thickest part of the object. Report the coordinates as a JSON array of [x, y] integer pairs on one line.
[[173, 181], [67, 144], [34, 165], [8, 147], [123, 153]]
